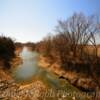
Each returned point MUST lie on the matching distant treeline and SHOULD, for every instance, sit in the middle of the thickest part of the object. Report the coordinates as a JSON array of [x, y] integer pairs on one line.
[[7, 50], [69, 47], [18, 45], [30, 44]]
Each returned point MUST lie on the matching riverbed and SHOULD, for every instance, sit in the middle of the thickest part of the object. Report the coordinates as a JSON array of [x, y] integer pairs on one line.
[[28, 71]]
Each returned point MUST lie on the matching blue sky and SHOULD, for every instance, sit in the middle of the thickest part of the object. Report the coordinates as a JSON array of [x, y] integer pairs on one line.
[[31, 20]]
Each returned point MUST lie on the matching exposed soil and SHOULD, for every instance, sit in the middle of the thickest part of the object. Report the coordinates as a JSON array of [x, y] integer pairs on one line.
[[83, 82]]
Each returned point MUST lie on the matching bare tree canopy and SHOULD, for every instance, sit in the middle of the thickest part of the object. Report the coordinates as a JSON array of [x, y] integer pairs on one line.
[[79, 30]]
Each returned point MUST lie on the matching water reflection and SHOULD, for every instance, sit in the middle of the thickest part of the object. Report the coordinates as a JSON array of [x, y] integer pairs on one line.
[[29, 70]]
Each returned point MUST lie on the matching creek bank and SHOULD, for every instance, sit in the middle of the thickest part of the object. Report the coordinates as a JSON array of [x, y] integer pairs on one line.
[[10, 90], [84, 83]]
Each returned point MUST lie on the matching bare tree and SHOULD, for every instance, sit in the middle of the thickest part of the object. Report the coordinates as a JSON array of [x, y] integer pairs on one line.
[[61, 47], [48, 45], [74, 34], [79, 29]]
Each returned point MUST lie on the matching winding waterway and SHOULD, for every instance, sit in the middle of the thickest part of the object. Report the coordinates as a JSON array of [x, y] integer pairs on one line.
[[29, 70]]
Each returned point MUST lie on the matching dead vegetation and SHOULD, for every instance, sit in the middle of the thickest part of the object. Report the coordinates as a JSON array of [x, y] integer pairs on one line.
[[74, 46], [7, 50]]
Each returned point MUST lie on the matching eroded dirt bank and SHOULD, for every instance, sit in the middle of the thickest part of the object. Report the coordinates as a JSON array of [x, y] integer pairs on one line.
[[84, 83], [10, 90]]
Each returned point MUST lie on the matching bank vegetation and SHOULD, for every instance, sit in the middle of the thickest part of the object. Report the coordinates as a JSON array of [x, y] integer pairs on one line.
[[74, 49], [7, 51]]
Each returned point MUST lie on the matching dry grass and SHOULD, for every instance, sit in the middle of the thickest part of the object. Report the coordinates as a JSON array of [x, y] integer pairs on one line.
[[91, 49]]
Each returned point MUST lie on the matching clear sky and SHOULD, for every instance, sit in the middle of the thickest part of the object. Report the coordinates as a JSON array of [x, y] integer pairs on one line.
[[31, 20]]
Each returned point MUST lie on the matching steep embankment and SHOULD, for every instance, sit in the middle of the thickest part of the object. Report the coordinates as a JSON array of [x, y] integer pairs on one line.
[[11, 90], [83, 82]]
